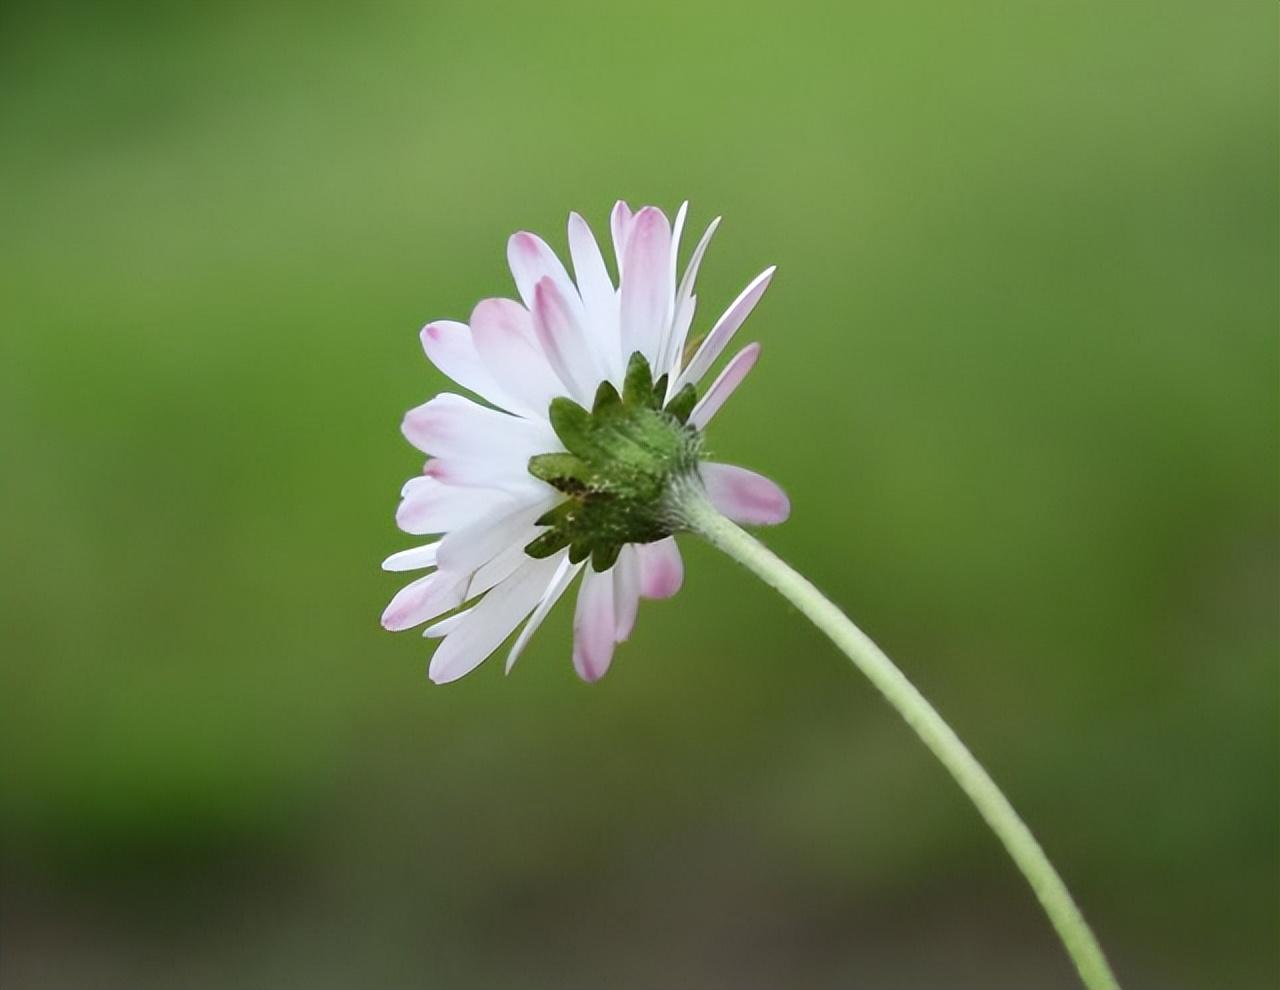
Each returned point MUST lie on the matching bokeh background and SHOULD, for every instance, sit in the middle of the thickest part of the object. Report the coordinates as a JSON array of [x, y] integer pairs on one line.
[[1019, 378]]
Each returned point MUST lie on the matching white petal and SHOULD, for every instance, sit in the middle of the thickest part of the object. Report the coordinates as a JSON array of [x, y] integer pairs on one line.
[[442, 628], [662, 361], [464, 550], [453, 426], [743, 495], [491, 621], [450, 348], [726, 327], [428, 506], [565, 574], [685, 302], [626, 592], [646, 292], [598, 297], [509, 474], [412, 560], [421, 600], [593, 626], [680, 333], [531, 261], [504, 564], [620, 227], [661, 568], [723, 387], [503, 334], [564, 341]]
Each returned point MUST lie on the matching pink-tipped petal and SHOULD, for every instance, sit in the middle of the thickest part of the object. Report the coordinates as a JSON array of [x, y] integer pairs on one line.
[[661, 568], [646, 292], [744, 496], [453, 426], [506, 473], [593, 626], [429, 506], [626, 592], [726, 327], [422, 600], [723, 387], [559, 582], [414, 559], [503, 334], [491, 621], [450, 348], [620, 227], [564, 342], [532, 260], [599, 298]]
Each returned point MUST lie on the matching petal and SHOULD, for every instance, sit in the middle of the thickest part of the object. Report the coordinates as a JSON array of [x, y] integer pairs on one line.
[[565, 574], [413, 559], [532, 260], [439, 630], [503, 565], [452, 426], [464, 550], [599, 298], [503, 334], [506, 474], [723, 387], [450, 348], [626, 592], [620, 227], [743, 495], [679, 332], [661, 568], [646, 292], [564, 341], [491, 621], [593, 626], [685, 301], [726, 327], [662, 362], [421, 600], [428, 506]]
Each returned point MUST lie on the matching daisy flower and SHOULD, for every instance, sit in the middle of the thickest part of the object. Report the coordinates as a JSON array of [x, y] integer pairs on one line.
[[585, 455], [588, 420]]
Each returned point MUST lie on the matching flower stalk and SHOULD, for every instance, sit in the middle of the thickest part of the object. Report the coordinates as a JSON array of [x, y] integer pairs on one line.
[[696, 513]]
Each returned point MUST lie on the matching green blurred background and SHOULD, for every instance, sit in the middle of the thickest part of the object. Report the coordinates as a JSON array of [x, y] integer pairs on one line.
[[1020, 380]]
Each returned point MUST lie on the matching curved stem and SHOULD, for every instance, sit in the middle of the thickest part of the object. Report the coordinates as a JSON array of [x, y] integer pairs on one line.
[[699, 516]]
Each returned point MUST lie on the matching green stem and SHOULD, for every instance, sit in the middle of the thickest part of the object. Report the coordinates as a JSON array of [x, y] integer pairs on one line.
[[699, 516]]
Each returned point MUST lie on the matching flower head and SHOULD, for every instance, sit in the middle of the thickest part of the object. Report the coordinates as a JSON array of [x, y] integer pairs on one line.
[[593, 424]]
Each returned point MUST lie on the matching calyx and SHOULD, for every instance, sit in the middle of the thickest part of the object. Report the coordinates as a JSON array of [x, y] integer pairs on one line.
[[620, 461]]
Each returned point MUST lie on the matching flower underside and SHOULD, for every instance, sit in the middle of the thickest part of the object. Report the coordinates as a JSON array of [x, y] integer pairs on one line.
[[618, 466]]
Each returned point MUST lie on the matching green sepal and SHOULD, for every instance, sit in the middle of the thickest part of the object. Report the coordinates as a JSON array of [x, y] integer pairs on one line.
[[572, 424], [637, 386], [682, 403], [547, 543], [579, 552], [605, 556], [564, 472], [560, 516], [660, 391], [606, 397]]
